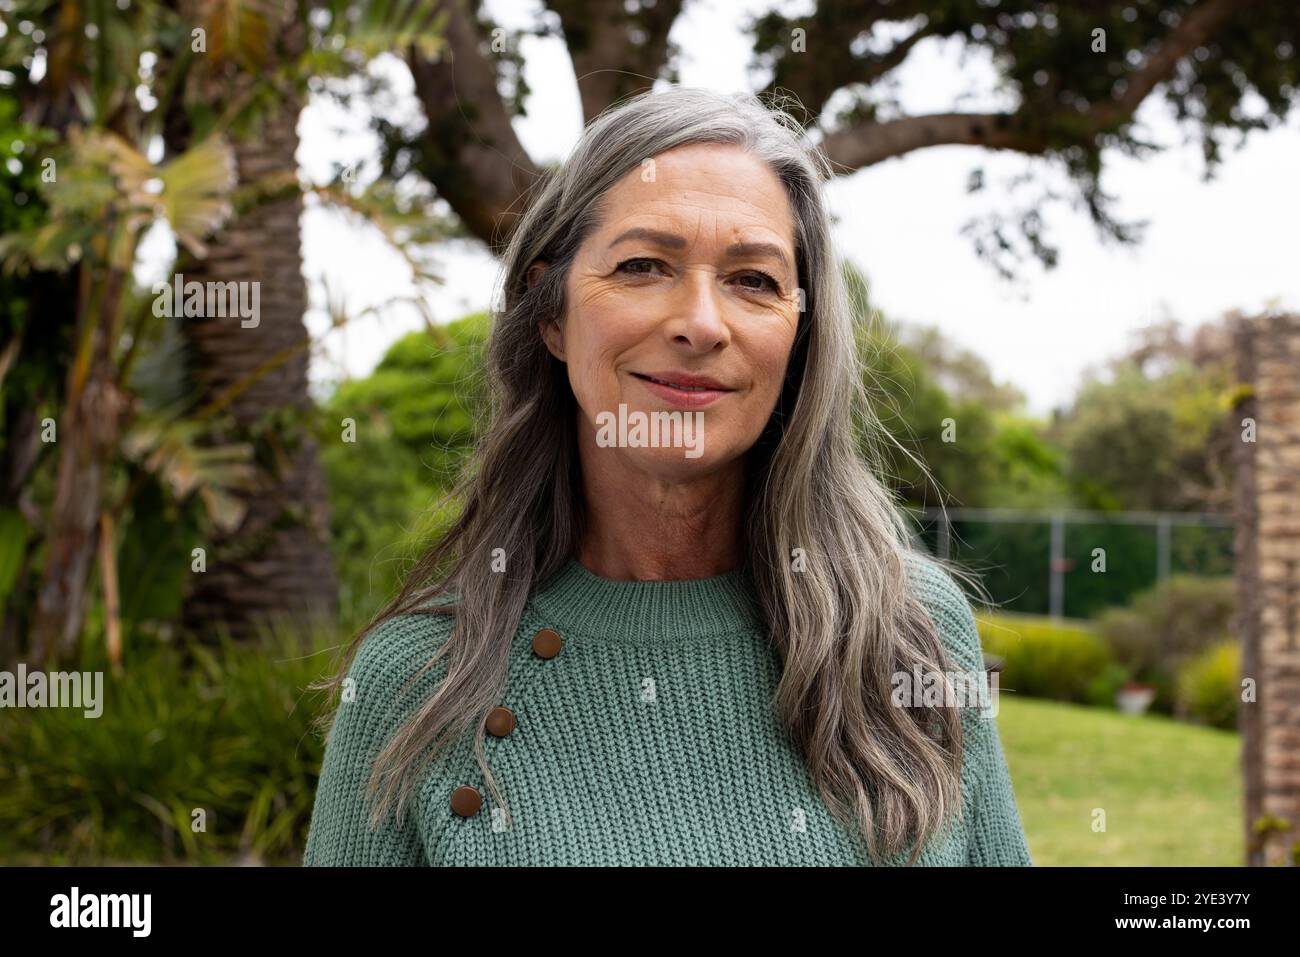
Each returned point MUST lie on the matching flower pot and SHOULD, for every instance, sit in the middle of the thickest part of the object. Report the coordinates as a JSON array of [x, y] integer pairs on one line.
[[1134, 698]]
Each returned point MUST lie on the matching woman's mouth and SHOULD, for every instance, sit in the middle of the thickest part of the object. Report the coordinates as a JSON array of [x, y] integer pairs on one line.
[[682, 389], [675, 385]]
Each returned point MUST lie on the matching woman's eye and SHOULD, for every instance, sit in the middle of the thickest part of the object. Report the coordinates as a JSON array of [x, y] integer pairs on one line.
[[764, 281], [623, 266]]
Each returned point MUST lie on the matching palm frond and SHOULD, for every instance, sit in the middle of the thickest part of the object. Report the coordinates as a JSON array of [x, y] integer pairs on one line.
[[196, 188], [170, 447], [238, 30], [357, 32]]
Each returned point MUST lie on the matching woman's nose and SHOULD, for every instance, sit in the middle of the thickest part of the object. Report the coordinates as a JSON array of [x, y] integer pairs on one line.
[[697, 317]]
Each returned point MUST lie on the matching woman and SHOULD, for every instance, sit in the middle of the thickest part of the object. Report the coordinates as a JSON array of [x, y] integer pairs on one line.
[[673, 620]]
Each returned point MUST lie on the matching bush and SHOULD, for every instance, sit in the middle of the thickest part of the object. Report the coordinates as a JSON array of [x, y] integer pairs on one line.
[[1209, 686], [416, 419], [1104, 688], [380, 497], [1165, 626], [1047, 659], [229, 733]]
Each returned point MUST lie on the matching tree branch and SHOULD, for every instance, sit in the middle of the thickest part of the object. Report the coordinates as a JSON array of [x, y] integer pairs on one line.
[[1192, 31], [470, 151], [1028, 130], [870, 143], [614, 53], [813, 76]]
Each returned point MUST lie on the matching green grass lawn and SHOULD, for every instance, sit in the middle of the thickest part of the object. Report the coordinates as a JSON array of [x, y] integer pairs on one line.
[[1171, 791]]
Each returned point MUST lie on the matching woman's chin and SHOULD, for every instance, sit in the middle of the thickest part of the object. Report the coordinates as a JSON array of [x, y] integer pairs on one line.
[[670, 464]]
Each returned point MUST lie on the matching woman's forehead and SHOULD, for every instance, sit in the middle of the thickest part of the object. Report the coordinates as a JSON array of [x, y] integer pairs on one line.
[[719, 168], [729, 193]]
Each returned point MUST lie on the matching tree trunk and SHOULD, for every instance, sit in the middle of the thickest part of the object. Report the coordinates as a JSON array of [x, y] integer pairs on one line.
[[87, 436], [278, 562], [18, 459]]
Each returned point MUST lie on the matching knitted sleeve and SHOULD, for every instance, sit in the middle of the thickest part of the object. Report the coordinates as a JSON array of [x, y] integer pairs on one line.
[[995, 835], [374, 704]]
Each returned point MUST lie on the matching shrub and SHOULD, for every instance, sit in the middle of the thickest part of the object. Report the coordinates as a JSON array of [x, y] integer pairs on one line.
[[1165, 626], [1209, 686], [417, 417], [229, 733], [1103, 689], [1047, 659]]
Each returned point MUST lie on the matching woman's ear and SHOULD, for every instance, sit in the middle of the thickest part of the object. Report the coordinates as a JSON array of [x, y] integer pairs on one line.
[[549, 329], [534, 273], [553, 336]]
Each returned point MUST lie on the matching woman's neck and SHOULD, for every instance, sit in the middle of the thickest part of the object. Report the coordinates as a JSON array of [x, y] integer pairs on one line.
[[644, 528]]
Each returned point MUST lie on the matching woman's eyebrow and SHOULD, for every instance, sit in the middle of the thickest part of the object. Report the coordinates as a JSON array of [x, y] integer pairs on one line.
[[743, 250], [667, 240], [673, 241]]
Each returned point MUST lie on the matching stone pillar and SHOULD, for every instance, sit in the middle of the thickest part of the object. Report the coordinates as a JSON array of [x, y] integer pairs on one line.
[[1267, 504]]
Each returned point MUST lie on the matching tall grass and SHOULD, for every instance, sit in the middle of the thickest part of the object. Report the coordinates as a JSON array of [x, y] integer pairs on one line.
[[202, 754]]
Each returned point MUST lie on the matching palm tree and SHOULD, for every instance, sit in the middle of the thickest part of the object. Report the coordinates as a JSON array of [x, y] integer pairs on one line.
[[243, 75], [278, 560], [108, 194]]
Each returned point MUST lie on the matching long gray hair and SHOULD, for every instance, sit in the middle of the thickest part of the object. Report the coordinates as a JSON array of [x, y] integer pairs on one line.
[[843, 625]]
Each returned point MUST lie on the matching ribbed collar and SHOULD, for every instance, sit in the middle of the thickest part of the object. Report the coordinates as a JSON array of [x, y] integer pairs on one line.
[[581, 602]]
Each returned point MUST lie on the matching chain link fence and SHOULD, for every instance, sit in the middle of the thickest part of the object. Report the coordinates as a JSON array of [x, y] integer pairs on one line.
[[1075, 563]]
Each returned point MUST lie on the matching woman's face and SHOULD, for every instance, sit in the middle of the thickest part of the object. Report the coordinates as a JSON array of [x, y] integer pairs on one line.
[[690, 280]]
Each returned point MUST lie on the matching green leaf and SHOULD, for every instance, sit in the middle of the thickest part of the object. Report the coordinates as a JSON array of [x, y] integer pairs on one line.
[[196, 192], [14, 533]]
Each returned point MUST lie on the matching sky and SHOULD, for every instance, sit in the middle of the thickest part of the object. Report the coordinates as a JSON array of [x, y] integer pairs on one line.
[[1211, 247]]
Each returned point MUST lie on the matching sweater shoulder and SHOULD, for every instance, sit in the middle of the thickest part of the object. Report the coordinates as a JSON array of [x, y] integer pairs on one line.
[[396, 669], [396, 651]]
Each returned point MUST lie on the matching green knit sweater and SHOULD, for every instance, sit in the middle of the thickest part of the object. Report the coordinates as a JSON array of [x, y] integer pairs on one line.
[[647, 738]]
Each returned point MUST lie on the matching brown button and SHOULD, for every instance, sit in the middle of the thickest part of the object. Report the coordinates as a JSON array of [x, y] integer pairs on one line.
[[547, 643], [500, 722], [466, 800]]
